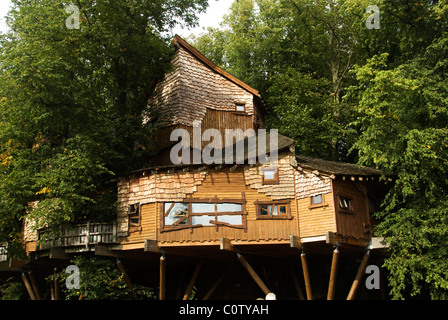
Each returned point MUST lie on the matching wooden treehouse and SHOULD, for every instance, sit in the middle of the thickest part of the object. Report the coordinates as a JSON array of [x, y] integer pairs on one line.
[[232, 230]]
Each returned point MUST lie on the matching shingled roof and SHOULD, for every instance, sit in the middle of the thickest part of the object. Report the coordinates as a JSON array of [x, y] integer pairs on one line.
[[179, 41], [336, 168]]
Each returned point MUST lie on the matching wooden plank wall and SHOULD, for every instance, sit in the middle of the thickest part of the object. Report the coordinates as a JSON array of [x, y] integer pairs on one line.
[[222, 120], [351, 224], [214, 119], [318, 220], [148, 228]]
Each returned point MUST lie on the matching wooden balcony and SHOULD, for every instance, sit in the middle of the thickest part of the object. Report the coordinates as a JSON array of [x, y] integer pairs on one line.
[[79, 237], [3, 255]]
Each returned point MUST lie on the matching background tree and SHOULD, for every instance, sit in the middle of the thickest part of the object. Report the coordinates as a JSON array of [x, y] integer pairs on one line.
[[72, 103], [298, 53], [402, 99], [377, 97]]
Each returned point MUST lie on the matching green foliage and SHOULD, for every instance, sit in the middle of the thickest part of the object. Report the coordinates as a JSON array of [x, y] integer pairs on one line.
[[100, 279], [73, 101], [297, 53], [402, 102], [12, 289], [373, 96]]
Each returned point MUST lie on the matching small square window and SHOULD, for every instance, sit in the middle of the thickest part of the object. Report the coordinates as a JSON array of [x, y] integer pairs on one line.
[[240, 107], [316, 199], [264, 210], [345, 203], [282, 209], [270, 176]]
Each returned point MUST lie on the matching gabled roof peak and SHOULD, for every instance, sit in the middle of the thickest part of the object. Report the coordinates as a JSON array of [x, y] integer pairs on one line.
[[181, 42]]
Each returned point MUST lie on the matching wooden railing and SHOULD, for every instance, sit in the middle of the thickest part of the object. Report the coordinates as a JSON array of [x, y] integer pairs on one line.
[[83, 236], [3, 255]]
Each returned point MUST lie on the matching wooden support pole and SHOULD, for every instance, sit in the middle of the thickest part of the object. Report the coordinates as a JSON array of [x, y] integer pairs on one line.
[[34, 285], [192, 281], [298, 286], [127, 279], [28, 287], [253, 274], [57, 289], [162, 277], [359, 274], [181, 283], [216, 284], [333, 272], [306, 276]]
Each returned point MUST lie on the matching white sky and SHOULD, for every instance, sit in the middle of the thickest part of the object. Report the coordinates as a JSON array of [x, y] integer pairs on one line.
[[4, 8], [211, 18]]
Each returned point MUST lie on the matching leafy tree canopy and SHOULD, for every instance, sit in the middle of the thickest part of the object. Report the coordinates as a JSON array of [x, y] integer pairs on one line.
[[377, 97], [72, 103]]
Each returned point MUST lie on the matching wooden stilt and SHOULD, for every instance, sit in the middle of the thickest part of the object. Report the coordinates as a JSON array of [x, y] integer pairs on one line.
[[298, 286], [359, 274], [28, 287], [57, 289], [181, 284], [162, 277], [333, 272], [306, 276], [192, 281], [216, 284], [127, 279], [34, 285], [253, 274]]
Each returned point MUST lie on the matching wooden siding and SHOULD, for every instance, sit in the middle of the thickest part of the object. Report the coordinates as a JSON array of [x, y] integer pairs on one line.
[[149, 188], [30, 246], [295, 186], [222, 120], [315, 221], [213, 119], [231, 185], [355, 223], [185, 93], [147, 230]]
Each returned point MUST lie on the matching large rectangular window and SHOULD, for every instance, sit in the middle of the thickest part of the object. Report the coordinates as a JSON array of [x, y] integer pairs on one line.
[[193, 213]]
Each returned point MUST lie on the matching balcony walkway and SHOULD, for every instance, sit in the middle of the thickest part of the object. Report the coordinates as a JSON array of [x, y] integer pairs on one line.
[[79, 237]]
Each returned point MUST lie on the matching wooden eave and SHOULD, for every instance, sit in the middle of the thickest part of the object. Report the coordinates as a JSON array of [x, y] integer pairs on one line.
[[340, 170], [284, 143], [179, 41]]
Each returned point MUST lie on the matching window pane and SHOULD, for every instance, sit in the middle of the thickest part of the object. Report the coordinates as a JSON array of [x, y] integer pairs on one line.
[[231, 219], [317, 199], [282, 209], [345, 203], [274, 210], [229, 207], [179, 211], [204, 220], [240, 107], [203, 207], [269, 174], [264, 210]]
